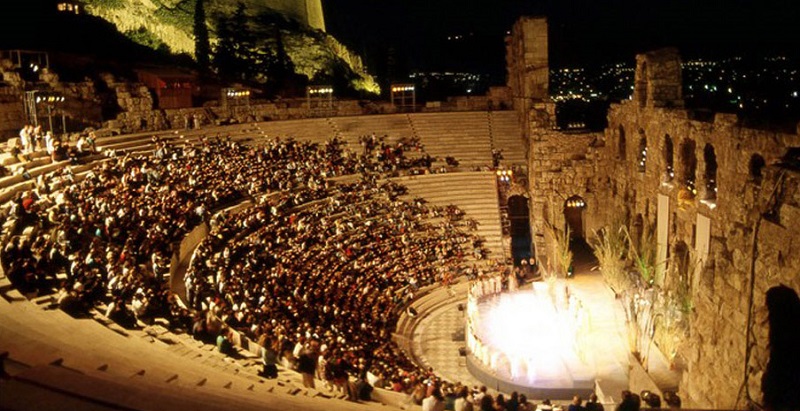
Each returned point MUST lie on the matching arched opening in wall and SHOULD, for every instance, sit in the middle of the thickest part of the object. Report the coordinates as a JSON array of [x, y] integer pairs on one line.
[[573, 216], [519, 216], [680, 257], [780, 383], [621, 144], [642, 153], [669, 159], [641, 85], [583, 257], [710, 176], [688, 167], [637, 229], [757, 165]]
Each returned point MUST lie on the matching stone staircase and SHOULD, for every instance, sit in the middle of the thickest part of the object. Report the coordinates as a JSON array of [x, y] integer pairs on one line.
[[474, 192], [507, 136], [462, 135]]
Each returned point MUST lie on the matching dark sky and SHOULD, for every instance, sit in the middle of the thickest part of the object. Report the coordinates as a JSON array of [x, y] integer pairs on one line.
[[413, 32]]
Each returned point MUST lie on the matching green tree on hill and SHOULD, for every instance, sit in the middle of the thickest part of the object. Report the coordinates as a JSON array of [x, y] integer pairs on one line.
[[202, 46], [235, 54]]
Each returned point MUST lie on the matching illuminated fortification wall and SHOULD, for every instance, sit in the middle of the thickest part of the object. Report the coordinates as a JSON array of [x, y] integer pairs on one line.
[[304, 11], [172, 21], [711, 190]]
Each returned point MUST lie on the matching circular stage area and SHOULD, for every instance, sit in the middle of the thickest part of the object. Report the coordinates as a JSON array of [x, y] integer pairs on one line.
[[529, 340]]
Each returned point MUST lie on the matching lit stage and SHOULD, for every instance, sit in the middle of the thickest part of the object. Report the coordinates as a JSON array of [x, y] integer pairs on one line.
[[529, 340]]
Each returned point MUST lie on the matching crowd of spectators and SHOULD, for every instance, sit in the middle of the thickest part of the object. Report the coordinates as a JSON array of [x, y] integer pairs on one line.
[[433, 394], [314, 269], [332, 275]]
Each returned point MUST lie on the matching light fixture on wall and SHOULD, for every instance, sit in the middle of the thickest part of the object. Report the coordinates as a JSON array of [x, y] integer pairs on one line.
[[576, 203]]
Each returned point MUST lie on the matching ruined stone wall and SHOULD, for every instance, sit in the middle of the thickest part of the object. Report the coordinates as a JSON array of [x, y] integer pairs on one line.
[[528, 71], [80, 108], [714, 353], [657, 161], [560, 166], [607, 175], [657, 82], [12, 117]]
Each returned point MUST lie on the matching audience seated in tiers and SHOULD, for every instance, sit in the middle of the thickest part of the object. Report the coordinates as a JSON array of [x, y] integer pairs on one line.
[[330, 263], [433, 393], [333, 274]]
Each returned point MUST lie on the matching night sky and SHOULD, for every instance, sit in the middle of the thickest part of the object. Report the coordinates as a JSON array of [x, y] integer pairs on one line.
[[412, 35]]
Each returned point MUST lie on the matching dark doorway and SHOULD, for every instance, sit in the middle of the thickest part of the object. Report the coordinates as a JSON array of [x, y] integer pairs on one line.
[[780, 383], [583, 257], [573, 214], [519, 215]]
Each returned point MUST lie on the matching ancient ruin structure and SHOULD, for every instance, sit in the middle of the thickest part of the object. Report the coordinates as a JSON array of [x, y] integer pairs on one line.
[[715, 199]]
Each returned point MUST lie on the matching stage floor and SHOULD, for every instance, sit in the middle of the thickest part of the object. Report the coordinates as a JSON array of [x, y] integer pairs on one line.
[[604, 349]]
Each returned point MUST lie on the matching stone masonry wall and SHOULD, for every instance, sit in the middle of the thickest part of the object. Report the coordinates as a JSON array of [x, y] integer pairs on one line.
[[11, 117], [528, 69], [653, 148], [606, 171], [715, 351], [561, 166]]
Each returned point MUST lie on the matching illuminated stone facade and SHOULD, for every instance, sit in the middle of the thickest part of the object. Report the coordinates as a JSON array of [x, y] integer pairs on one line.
[[707, 186]]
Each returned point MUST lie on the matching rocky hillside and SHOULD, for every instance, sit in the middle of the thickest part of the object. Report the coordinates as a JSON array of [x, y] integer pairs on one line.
[[170, 24]]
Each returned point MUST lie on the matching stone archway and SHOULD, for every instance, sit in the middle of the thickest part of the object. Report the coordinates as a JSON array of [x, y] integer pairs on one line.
[[574, 208]]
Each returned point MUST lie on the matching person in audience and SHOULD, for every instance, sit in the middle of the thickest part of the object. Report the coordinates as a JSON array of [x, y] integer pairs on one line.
[[524, 404], [629, 402], [26, 139], [592, 404], [487, 403], [500, 402], [546, 405], [463, 401], [224, 345], [434, 402], [513, 402], [576, 404], [307, 360]]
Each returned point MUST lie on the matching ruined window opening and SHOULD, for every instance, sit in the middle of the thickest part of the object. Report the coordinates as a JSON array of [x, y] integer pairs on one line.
[[669, 159], [637, 230], [757, 165], [688, 167], [621, 144], [681, 261], [642, 154], [710, 158]]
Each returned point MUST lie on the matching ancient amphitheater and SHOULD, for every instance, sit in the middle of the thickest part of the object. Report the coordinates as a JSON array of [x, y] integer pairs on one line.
[[60, 362]]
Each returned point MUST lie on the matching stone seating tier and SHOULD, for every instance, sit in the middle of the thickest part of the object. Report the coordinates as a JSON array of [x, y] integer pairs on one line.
[[31, 332]]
